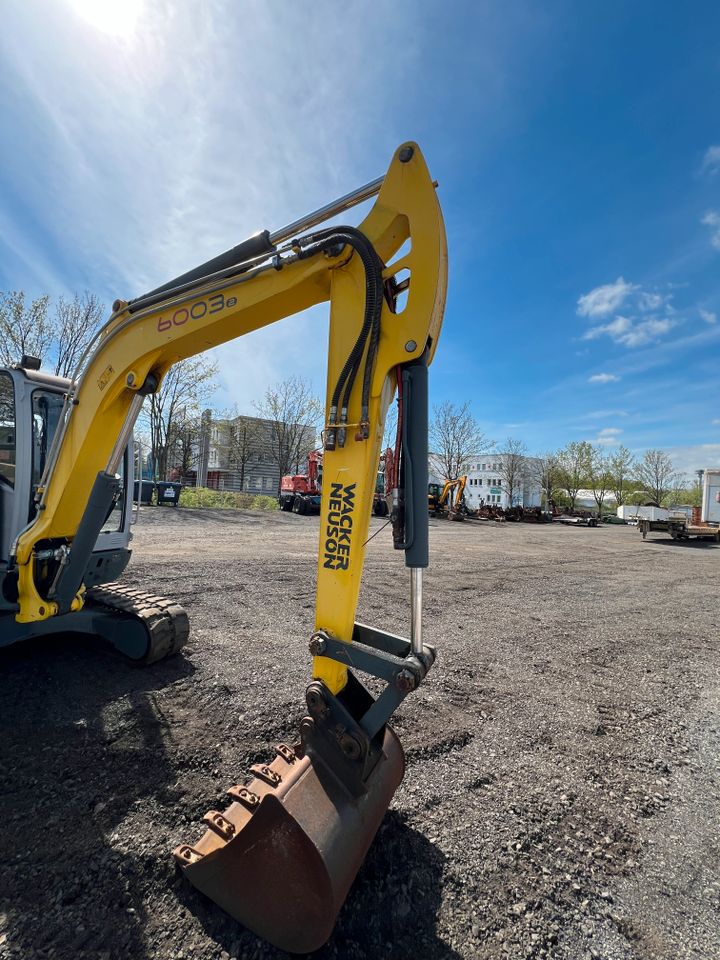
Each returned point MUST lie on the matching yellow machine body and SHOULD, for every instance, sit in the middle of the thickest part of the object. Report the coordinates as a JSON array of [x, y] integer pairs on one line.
[[138, 344]]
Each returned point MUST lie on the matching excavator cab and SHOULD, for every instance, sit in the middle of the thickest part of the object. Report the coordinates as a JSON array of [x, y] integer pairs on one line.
[[434, 493], [31, 406]]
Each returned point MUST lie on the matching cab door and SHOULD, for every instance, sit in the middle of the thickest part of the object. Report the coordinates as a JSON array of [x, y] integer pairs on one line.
[[8, 461]]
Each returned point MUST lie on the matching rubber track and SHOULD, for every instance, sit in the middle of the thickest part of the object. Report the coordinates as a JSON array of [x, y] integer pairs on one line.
[[165, 620]]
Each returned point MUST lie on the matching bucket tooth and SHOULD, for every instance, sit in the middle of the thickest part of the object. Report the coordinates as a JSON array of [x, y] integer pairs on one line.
[[286, 752], [297, 844], [220, 824], [264, 772], [244, 796], [185, 854]]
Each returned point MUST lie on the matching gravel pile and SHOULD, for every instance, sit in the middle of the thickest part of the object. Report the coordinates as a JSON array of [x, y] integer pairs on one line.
[[562, 795]]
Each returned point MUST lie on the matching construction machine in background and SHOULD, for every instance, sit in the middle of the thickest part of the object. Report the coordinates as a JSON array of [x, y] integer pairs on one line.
[[302, 492], [282, 855], [435, 491], [449, 501]]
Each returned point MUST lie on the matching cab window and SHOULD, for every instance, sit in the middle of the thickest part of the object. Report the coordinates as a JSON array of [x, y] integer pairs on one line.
[[7, 431], [114, 521], [46, 410]]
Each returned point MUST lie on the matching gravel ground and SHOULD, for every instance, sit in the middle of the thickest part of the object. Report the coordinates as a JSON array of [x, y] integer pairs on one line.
[[563, 787]]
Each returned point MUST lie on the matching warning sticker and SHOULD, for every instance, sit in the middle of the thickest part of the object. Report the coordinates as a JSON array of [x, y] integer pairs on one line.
[[104, 378]]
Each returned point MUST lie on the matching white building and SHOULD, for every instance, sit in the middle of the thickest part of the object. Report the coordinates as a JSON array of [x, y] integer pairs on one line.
[[487, 482]]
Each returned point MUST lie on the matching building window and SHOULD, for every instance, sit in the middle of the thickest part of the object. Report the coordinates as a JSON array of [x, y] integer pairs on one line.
[[480, 482], [498, 482]]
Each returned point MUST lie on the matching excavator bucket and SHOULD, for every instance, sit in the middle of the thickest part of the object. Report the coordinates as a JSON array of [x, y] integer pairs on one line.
[[282, 857]]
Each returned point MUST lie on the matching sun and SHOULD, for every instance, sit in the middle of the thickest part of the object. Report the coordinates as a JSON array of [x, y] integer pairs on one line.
[[114, 17]]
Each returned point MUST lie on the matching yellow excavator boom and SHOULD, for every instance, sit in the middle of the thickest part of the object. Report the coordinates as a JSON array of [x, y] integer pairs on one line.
[[383, 332]]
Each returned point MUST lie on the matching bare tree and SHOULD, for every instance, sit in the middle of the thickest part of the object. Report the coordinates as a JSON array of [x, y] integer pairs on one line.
[[184, 448], [24, 328], [185, 389], [621, 466], [573, 465], [456, 438], [544, 471], [682, 491], [241, 438], [513, 468], [655, 474], [294, 413], [74, 324], [599, 475], [58, 339]]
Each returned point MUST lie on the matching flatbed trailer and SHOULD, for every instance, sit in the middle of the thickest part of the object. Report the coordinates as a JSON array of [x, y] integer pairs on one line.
[[678, 528], [576, 521]]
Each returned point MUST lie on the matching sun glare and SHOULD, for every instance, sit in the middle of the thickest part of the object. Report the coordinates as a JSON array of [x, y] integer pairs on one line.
[[114, 17]]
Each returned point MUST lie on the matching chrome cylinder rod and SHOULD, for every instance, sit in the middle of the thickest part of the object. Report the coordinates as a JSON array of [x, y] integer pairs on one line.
[[416, 592], [127, 428], [329, 210]]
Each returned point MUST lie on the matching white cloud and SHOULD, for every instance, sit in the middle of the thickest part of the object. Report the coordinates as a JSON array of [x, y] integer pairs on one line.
[[630, 332], [603, 300], [716, 423], [687, 459], [167, 159], [603, 378], [712, 220], [650, 301], [708, 316], [711, 160], [615, 329], [608, 435], [646, 332], [648, 314]]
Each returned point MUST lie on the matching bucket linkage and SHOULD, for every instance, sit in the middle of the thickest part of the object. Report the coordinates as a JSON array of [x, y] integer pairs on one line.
[[282, 857]]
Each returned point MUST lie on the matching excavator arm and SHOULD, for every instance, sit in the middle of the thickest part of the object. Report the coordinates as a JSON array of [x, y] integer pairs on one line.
[[385, 319], [145, 337]]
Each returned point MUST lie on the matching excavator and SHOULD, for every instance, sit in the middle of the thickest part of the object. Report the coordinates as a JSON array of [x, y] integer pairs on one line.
[[450, 501], [282, 855]]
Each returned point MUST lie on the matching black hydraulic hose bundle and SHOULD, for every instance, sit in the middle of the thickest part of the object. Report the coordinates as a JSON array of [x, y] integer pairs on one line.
[[368, 337]]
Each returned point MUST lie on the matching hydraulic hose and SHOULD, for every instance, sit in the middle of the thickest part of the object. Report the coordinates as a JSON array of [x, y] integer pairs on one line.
[[370, 330]]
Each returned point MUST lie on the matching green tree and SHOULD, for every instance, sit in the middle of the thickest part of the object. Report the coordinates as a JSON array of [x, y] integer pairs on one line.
[[621, 466], [25, 328], [513, 468], [573, 463], [599, 475]]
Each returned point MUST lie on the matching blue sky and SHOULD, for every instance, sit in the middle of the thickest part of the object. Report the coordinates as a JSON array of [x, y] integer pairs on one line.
[[577, 148]]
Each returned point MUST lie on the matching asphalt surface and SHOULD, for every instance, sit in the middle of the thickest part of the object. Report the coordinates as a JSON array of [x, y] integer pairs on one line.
[[562, 796]]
